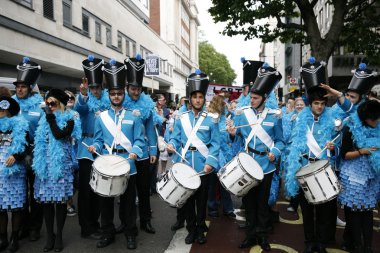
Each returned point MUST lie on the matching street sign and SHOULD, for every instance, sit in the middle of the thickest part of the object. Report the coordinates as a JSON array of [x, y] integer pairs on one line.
[[152, 65]]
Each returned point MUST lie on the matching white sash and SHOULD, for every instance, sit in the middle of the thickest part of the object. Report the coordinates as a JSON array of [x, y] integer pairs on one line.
[[191, 134], [257, 129], [113, 129], [312, 144]]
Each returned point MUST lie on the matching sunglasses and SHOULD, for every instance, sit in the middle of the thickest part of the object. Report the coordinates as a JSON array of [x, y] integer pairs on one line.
[[52, 104], [71, 98], [116, 94]]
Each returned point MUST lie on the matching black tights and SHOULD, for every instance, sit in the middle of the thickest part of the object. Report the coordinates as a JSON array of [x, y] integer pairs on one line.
[[16, 222], [49, 213]]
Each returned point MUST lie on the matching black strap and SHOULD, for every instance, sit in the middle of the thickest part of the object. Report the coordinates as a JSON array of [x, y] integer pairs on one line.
[[257, 152], [311, 159]]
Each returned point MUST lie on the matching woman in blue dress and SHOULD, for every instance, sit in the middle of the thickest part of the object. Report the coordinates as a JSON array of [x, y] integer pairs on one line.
[[13, 130], [53, 163]]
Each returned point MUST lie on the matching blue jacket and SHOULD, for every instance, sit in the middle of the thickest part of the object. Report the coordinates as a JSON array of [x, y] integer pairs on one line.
[[272, 124], [131, 127], [208, 133]]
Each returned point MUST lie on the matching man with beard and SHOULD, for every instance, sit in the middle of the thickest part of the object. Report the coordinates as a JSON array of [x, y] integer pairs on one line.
[[27, 75], [119, 132], [197, 132], [91, 101]]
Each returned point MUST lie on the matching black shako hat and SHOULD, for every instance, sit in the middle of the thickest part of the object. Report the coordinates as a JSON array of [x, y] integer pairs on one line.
[[266, 80], [8, 103], [93, 70], [313, 73], [196, 81], [363, 79], [58, 94], [114, 74], [27, 72], [135, 70], [250, 69]]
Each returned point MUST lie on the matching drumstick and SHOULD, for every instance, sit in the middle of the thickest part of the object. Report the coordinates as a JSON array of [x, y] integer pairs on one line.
[[183, 158], [89, 146], [320, 153], [241, 126], [198, 174]]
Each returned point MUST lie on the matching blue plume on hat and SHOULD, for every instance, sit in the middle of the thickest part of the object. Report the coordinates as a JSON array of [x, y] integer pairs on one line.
[[25, 59], [90, 57], [112, 61], [242, 59], [138, 57], [362, 66], [265, 65], [311, 60], [198, 72]]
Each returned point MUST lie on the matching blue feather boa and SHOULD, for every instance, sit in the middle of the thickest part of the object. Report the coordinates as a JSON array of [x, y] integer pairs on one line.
[[366, 137], [102, 104], [29, 103], [145, 106], [299, 146], [46, 143], [18, 126]]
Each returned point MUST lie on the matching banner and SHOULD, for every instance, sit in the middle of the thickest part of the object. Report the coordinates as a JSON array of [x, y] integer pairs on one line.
[[152, 65], [215, 89]]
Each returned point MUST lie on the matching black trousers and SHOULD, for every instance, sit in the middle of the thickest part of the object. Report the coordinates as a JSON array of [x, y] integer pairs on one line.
[[127, 203], [88, 201], [318, 225], [32, 216], [359, 224], [195, 208], [257, 209], [143, 192]]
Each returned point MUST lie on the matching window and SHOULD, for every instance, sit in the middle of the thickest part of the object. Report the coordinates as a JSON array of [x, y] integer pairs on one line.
[[98, 32], [109, 36], [127, 48], [134, 49], [48, 9], [119, 42], [85, 24], [27, 3], [66, 12]]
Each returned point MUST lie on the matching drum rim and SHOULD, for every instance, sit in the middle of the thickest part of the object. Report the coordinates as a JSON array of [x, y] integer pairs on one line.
[[246, 170], [110, 155], [175, 179], [312, 172], [102, 174]]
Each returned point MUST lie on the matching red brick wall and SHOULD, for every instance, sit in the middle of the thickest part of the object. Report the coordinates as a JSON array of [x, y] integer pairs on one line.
[[155, 15]]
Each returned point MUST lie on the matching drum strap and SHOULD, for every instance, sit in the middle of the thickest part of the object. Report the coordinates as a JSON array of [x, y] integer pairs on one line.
[[312, 144], [191, 134], [257, 129], [115, 130]]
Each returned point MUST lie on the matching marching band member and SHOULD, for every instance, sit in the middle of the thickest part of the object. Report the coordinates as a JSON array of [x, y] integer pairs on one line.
[[53, 163], [13, 131], [313, 130], [91, 101], [264, 142], [143, 106], [197, 132], [360, 175], [28, 73], [120, 132]]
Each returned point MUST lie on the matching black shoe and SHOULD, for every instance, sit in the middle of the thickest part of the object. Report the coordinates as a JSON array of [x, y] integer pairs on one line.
[[49, 243], [120, 229], [58, 244], [346, 246], [93, 236], [243, 225], [147, 227], [230, 214], [190, 238], [201, 238], [105, 241], [131, 242], [248, 242], [177, 225], [264, 244], [34, 235]]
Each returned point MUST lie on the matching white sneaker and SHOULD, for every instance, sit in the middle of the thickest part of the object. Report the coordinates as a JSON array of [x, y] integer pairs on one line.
[[340, 223], [290, 209]]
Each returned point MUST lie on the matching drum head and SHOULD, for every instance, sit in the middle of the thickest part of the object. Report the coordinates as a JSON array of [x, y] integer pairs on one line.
[[186, 176], [250, 165], [311, 167], [112, 165]]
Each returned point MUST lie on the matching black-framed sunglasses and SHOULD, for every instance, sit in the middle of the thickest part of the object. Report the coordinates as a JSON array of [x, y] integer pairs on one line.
[[52, 104], [71, 98]]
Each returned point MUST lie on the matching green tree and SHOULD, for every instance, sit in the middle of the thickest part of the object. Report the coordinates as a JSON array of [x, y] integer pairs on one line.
[[215, 64], [354, 24]]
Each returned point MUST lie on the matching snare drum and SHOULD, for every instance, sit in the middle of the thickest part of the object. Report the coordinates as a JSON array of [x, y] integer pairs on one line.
[[241, 174], [318, 182], [178, 184], [109, 176]]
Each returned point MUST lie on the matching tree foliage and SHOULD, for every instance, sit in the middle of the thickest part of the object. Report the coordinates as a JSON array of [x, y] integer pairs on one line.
[[215, 64], [354, 24]]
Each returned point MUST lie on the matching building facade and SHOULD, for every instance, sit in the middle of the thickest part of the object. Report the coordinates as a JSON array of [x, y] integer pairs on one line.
[[59, 34]]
